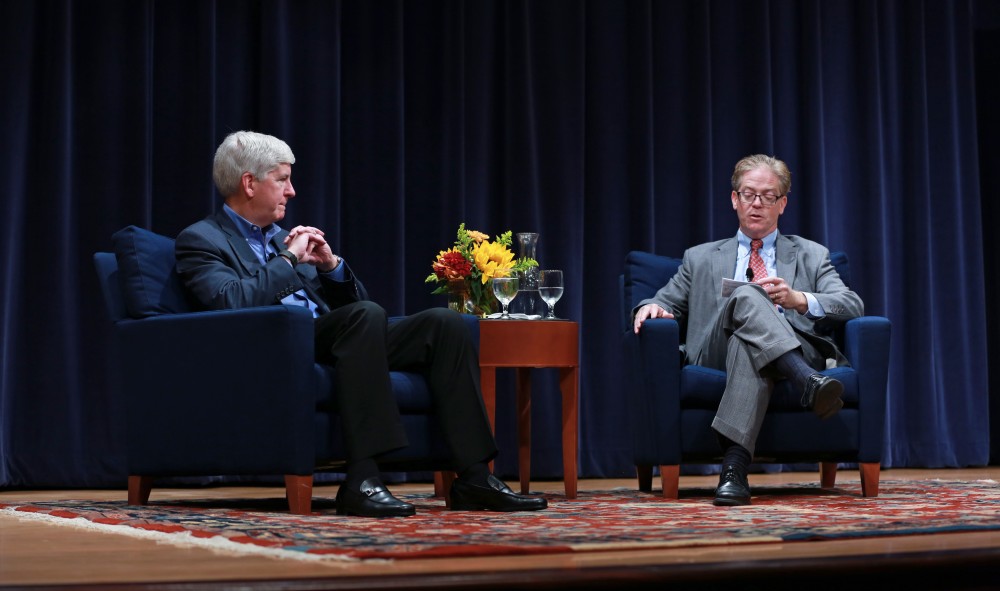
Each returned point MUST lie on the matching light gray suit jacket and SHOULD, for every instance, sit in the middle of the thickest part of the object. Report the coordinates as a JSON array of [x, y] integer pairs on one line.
[[694, 294]]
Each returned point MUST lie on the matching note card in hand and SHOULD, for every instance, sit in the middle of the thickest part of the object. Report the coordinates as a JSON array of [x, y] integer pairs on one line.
[[728, 285]]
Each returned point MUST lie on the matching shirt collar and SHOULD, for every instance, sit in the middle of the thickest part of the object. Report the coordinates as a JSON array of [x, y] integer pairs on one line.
[[744, 241], [249, 230]]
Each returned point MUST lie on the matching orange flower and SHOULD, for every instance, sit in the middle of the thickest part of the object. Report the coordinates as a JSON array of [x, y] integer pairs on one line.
[[477, 236]]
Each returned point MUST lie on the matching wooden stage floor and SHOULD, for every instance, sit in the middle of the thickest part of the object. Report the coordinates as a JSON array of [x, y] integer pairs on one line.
[[43, 556]]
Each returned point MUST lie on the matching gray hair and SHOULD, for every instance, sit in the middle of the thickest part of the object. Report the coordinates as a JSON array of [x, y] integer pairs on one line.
[[779, 168], [247, 151]]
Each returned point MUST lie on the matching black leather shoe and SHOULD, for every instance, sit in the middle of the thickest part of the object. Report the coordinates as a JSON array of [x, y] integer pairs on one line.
[[372, 499], [822, 395], [495, 497], [734, 489]]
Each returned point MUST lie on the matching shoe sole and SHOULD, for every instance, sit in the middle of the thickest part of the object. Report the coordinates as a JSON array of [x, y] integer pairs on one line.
[[394, 513], [731, 502], [463, 507], [458, 501], [828, 400], [379, 516]]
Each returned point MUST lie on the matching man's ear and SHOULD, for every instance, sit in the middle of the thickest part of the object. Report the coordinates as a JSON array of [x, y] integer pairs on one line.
[[247, 181]]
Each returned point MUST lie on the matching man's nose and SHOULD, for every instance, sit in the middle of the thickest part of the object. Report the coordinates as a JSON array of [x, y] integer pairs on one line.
[[289, 189]]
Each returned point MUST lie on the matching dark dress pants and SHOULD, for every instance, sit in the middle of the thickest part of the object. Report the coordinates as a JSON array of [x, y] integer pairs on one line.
[[358, 340]]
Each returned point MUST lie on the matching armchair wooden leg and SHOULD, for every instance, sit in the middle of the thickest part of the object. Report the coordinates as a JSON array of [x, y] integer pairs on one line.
[[827, 474], [442, 485], [670, 476], [139, 488], [869, 478], [298, 491], [438, 484], [645, 476]]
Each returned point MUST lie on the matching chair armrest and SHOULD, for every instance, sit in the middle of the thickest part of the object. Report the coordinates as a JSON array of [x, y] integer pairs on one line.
[[472, 323], [225, 387], [866, 346], [654, 367]]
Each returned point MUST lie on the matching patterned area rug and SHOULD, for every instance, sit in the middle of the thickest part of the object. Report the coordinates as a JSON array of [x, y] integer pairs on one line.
[[596, 521]]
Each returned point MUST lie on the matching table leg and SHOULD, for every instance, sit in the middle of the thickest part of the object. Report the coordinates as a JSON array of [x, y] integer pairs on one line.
[[568, 384], [488, 386], [524, 427]]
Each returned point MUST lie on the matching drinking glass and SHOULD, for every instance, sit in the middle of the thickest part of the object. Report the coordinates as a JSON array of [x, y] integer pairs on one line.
[[505, 288], [550, 287]]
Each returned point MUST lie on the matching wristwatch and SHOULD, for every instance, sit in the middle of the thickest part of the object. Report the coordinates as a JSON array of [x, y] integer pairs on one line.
[[294, 260]]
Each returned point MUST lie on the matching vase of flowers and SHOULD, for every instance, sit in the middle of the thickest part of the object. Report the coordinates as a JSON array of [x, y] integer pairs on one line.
[[464, 271]]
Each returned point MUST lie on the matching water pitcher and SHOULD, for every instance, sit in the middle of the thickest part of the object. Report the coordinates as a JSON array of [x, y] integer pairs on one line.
[[527, 300]]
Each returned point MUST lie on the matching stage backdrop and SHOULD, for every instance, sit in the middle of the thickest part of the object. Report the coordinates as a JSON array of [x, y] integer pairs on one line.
[[605, 126]]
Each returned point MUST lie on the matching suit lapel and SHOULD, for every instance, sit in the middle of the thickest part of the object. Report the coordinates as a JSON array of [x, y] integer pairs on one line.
[[724, 261], [244, 254], [786, 255], [723, 265]]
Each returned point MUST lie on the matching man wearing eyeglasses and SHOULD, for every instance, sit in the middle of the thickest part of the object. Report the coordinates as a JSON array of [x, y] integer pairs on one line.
[[768, 327]]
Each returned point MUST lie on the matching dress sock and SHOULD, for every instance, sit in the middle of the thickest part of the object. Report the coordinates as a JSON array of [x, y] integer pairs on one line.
[[735, 454], [360, 470], [793, 366], [475, 474]]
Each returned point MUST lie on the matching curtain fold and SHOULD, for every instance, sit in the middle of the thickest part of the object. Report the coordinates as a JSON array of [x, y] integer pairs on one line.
[[604, 126]]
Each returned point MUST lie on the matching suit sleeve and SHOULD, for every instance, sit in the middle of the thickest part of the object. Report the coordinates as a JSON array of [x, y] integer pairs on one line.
[[337, 293], [673, 297], [839, 302], [216, 278]]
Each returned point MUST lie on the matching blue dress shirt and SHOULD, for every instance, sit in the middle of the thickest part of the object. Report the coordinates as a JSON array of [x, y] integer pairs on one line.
[[767, 253], [259, 240]]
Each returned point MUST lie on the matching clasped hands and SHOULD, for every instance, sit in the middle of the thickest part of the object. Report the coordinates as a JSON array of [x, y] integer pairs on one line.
[[779, 292], [309, 245]]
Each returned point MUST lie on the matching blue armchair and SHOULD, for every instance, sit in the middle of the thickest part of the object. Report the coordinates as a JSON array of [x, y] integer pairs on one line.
[[672, 404], [195, 408]]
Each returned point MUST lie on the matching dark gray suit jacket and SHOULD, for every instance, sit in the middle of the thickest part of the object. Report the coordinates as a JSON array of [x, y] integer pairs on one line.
[[221, 270]]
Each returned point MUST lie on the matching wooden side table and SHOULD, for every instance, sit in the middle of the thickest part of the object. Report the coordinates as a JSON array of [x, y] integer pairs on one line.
[[524, 344]]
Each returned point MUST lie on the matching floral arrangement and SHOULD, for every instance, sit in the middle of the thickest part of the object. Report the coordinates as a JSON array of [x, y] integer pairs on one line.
[[464, 271]]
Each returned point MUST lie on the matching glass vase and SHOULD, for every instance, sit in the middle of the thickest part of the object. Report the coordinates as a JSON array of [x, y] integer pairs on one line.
[[460, 299], [527, 300], [458, 295]]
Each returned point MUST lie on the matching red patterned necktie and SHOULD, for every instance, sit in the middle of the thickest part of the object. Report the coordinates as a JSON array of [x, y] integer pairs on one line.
[[756, 262]]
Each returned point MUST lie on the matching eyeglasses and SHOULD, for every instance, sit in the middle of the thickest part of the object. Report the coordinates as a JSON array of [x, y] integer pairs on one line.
[[748, 197]]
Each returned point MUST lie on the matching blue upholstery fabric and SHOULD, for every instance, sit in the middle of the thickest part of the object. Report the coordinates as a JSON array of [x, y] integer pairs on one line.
[[672, 405], [146, 270], [196, 407], [645, 274]]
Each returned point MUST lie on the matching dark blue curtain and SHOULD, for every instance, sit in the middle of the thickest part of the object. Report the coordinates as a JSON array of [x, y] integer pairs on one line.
[[606, 126]]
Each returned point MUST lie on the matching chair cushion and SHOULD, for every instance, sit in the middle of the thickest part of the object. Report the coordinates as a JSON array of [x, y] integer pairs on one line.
[[843, 266], [645, 274], [409, 389], [147, 275]]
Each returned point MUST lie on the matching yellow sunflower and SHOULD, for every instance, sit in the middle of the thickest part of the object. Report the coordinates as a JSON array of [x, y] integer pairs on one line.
[[492, 258]]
